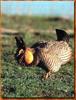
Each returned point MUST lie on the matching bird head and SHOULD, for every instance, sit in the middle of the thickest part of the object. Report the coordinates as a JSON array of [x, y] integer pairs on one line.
[[24, 55]]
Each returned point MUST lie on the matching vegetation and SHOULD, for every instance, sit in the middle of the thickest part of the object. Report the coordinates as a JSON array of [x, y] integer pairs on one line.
[[25, 81]]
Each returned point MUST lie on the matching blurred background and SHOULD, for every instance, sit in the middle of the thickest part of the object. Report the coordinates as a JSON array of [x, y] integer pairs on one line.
[[35, 21]]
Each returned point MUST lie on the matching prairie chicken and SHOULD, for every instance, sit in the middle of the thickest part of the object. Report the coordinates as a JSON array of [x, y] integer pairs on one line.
[[52, 54]]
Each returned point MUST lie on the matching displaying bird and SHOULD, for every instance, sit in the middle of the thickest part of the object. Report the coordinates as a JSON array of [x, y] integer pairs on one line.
[[52, 54]]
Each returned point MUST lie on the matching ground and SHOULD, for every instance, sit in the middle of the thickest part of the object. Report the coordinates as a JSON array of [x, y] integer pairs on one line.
[[25, 81]]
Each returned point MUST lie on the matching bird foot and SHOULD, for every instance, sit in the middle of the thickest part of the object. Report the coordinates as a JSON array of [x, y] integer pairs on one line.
[[46, 75]]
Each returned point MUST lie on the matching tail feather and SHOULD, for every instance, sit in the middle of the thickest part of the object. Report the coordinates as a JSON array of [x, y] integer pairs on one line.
[[62, 35]]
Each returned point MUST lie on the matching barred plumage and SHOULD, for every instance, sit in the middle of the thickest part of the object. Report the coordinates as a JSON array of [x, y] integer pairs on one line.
[[52, 53], [55, 55]]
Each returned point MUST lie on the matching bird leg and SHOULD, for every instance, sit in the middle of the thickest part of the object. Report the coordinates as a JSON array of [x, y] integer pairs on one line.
[[46, 75]]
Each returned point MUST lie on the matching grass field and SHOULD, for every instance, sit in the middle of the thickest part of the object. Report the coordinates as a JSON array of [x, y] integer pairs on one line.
[[25, 81]]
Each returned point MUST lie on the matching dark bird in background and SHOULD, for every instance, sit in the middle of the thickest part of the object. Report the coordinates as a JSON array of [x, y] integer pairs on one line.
[[52, 54]]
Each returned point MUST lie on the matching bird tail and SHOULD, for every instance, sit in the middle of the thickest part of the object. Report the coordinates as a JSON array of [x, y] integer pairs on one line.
[[20, 43], [62, 35]]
